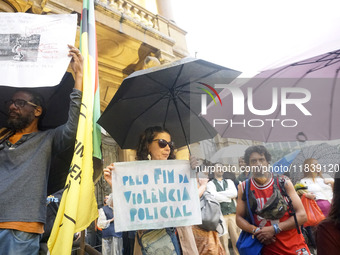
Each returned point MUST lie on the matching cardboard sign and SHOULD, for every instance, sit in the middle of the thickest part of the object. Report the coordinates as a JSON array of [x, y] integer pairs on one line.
[[33, 48], [154, 194]]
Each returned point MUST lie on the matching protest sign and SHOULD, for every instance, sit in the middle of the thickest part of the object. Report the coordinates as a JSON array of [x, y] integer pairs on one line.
[[33, 48], [154, 194]]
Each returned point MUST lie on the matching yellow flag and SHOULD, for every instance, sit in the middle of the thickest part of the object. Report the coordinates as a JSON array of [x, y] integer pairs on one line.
[[78, 207]]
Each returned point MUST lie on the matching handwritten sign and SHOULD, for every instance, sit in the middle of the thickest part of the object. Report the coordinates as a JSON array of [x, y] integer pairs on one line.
[[33, 48], [155, 194]]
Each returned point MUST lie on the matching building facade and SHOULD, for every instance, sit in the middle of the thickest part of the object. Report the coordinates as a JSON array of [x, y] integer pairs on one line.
[[131, 35]]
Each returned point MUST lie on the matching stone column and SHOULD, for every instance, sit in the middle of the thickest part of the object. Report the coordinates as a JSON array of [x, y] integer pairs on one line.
[[164, 8]]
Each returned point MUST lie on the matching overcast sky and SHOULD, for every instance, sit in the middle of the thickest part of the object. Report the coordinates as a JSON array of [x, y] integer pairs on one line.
[[251, 35]]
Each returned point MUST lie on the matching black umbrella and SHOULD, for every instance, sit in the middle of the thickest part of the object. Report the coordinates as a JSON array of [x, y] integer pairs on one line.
[[57, 101], [167, 96]]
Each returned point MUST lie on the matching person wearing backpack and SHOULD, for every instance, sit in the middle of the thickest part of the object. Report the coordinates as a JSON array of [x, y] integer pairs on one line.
[[112, 241], [277, 209], [225, 192]]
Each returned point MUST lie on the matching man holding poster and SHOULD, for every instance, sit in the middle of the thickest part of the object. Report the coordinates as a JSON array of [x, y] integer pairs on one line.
[[25, 156], [158, 196]]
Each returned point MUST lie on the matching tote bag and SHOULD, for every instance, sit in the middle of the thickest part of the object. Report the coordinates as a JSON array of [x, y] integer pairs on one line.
[[313, 211]]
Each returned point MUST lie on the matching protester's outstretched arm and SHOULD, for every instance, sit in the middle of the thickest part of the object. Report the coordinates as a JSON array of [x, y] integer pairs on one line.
[[65, 134], [77, 66]]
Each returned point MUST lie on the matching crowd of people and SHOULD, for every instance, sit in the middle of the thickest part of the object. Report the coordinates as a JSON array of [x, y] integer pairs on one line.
[[274, 203], [280, 230]]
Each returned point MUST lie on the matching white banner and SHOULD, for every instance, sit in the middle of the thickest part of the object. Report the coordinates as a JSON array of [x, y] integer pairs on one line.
[[33, 48], [155, 194]]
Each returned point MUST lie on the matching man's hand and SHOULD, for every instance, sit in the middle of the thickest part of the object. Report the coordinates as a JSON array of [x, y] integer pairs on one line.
[[266, 235]]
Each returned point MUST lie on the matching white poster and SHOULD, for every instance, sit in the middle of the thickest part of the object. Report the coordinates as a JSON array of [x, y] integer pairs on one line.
[[154, 194], [33, 48]]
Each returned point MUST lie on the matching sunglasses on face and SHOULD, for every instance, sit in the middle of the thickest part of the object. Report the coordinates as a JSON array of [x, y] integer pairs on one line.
[[163, 143], [20, 103]]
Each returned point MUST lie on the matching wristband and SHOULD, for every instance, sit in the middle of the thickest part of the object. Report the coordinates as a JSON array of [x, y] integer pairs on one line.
[[277, 229], [256, 229]]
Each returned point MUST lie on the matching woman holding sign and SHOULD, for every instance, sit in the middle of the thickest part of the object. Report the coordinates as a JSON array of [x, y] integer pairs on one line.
[[155, 144]]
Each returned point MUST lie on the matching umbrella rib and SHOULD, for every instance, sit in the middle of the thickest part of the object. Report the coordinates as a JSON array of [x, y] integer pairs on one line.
[[188, 107], [327, 57], [323, 66], [174, 83], [331, 103], [311, 70], [246, 97], [178, 75], [180, 120], [142, 114], [279, 106], [142, 96], [199, 78], [166, 112], [157, 82]]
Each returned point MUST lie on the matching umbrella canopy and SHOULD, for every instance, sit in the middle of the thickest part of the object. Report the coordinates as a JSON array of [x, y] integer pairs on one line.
[[236, 150], [294, 102], [285, 161], [57, 101], [328, 157], [168, 96]]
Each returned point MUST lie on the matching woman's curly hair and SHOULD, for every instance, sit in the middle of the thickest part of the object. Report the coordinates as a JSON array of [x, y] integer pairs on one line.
[[146, 139]]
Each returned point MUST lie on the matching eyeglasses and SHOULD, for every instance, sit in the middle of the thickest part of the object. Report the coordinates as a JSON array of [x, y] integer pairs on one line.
[[163, 143], [20, 103]]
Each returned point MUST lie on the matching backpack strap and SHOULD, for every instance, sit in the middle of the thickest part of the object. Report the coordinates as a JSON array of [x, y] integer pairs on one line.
[[281, 183], [248, 205], [5, 133]]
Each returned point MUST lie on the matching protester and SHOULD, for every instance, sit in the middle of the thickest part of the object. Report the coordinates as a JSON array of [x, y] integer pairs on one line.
[[128, 242], [278, 233], [319, 186], [207, 242], [25, 162], [225, 192], [155, 144], [244, 174], [328, 231], [112, 241], [302, 190], [228, 173]]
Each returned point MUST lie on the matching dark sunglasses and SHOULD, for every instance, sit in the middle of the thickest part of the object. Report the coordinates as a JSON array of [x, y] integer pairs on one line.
[[20, 103], [163, 143]]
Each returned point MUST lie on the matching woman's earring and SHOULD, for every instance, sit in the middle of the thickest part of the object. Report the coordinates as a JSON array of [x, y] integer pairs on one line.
[[149, 156]]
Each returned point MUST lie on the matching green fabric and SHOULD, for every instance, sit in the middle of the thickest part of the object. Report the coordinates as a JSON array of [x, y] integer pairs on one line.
[[226, 207]]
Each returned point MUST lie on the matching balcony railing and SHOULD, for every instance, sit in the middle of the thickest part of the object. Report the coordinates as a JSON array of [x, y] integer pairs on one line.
[[132, 10]]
